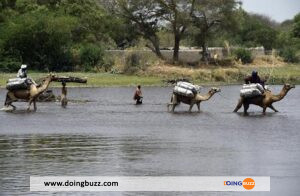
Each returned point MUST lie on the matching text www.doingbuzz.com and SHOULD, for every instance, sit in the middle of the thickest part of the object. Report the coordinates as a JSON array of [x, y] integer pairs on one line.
[[81, 184]]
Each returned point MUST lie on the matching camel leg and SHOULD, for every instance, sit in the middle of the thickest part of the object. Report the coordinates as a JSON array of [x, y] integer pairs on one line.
[[246, 107], [198, 105], [264, 110], [168, 106], [34, 105], [29, 104], [173, 102], [191, 107], [239, 105], [9, 101], [272, 107]]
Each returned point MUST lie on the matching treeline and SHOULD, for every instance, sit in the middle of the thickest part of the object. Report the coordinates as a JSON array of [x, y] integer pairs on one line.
[[68, 35]]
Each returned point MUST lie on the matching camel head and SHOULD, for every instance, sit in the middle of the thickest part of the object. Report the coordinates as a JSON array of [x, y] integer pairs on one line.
[[214, 90], [50, 77], [288, 87]]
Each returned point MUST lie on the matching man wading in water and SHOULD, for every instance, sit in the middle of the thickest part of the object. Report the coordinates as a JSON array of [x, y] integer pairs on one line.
[[63, 99], [138, 95]]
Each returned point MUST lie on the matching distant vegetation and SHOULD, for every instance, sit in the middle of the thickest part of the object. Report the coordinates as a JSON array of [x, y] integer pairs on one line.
[[72, 35]]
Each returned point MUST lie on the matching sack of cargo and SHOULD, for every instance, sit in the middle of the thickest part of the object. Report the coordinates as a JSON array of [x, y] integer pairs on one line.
[[182, 91], [254, 86], [185, 85], [250, 92], [17, 84]]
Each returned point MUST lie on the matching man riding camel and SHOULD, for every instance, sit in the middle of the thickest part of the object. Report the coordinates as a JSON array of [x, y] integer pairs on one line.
[[22, 73], [254, 79]]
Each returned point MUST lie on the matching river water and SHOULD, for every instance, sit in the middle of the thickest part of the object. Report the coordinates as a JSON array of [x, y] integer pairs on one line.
[[110, 136]]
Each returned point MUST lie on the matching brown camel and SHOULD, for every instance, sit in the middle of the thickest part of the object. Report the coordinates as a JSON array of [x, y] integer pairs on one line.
[[264, 101], [197, 99], [29, 95]]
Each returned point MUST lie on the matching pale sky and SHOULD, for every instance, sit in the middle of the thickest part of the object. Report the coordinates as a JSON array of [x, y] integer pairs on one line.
[[278, 10]]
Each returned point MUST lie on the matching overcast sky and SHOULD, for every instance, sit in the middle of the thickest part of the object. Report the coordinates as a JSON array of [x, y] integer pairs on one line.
[[279, 10]]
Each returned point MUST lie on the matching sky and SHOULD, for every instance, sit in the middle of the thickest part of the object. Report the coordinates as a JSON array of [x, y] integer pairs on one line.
[[278, 10]]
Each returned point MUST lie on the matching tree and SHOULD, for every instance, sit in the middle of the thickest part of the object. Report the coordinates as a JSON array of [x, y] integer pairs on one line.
[[177, 14], [209, 14], [296, 26], [41, 40], [145, 16], [256, 30]]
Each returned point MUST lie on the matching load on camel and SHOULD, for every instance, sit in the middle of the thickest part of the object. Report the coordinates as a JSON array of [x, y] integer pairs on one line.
[[189, 94], [21, 90], [264, 99]]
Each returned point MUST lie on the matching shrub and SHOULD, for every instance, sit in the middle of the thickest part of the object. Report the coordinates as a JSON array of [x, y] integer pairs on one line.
[[91, 55], [228, 61], [108, 62], [244, 55], [132, 62], [9, 65], [42, 40], [289, 55]]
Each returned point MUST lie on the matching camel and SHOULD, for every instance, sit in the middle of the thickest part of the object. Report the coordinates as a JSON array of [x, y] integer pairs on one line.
[[29, 95], [265, 101], [197, 99]]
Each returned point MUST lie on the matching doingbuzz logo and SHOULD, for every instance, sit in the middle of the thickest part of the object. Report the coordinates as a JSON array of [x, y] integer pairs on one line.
[[248, 183]]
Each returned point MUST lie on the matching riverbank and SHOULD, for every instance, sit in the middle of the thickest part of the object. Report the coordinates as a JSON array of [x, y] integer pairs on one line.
[[159, 74]]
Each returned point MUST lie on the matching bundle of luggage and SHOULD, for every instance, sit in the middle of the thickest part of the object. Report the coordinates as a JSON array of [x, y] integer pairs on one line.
[[186, 89], [17, 84], [252, 90]]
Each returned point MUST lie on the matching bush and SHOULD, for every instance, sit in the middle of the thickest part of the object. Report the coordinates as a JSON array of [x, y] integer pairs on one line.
[[41, 40], [91, 56], [228, 61], [132, 62], [244, 55], [9, 65], [108, 62], [289, 55]]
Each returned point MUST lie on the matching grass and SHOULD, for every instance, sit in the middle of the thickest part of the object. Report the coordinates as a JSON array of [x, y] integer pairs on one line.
[[155, 75], [94, 79], [229, 75]]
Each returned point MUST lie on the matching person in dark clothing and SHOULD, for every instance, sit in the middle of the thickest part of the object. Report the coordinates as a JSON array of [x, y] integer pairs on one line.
[[63, 98], [138, 95], [254, 79]]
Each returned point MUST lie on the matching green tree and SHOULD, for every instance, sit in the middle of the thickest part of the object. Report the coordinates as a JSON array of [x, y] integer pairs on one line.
[[177, 14], [144, 15], [210, 16], [296, 26], [256, 30], [41, 40]]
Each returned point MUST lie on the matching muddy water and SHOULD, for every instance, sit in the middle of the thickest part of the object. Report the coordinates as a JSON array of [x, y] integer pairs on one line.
[[110, 136]]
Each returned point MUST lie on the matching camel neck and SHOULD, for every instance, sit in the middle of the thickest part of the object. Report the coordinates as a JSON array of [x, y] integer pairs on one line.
[[44, 86], [206, 97], [280, 96]]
